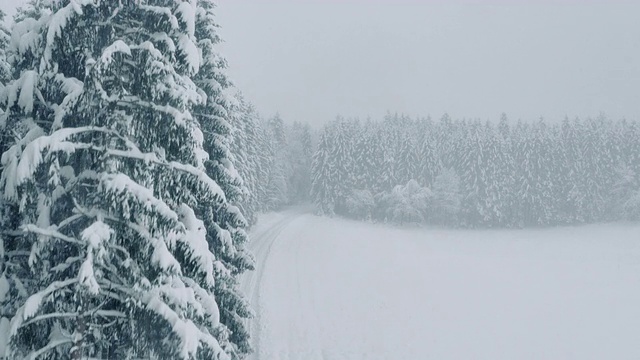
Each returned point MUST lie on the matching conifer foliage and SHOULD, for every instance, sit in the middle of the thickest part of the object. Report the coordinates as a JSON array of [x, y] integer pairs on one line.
[[121, 234]]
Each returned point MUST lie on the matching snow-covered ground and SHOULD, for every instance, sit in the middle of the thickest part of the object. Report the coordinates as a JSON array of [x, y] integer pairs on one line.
[[335, 289]]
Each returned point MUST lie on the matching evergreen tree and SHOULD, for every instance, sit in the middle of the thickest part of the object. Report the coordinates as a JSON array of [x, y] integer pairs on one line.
[[246, 146], [365, 159], [342, 175], [428, 162], [322, 186], [406, 164], [505, 168], [279, 167], [497, 178], [299, 155], [474, 178], [115, 208]]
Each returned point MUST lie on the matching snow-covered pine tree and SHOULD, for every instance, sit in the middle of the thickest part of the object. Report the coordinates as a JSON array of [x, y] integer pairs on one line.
[[246, 148], [505, 168], [277, 128], [219, 118], [308, 148], [406, 164], [343, 176], [378, 174], [385, 157], [625, 179], [571, 201], [474, 177], [279, 169], [428, 162], [299, 156], [365, 159], [445, 136], [322, 185], [497, 176], [543, 208], [522, 181], [599, 167], [110, 259], [268, 161]]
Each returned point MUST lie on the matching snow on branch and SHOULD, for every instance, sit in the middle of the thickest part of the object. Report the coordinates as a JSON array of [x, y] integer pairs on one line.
[[58, 22], [94, 236], [118, 46], [10, 160], [162, 37], [186, 11], [51, 345], [195, 238], [162, 11], [134, 153], [19, 167], [207, 300], [124, 185], [180, 117], [160, 255], [32, 305], [61, 315], [51, 231], [25, 36], [189, 49], [202, 176], [22, 91], [73, 88], [190, 336]]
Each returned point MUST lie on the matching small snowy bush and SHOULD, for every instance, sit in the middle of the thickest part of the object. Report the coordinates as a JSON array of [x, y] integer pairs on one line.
[[404, 204]]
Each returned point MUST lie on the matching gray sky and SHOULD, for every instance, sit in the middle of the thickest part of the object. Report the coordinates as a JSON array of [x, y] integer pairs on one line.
[[311, 60]]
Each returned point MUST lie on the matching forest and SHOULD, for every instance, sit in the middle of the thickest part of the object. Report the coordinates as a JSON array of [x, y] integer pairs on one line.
[[468, 173], [133, 170]]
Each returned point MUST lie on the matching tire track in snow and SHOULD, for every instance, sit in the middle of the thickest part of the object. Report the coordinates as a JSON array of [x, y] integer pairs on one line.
[[260, 246]]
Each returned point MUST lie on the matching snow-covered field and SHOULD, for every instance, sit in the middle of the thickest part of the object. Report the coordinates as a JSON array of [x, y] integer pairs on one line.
[[335, 289]]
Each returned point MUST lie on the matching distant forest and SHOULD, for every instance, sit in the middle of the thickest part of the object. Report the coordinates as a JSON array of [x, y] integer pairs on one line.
[[473, 174]]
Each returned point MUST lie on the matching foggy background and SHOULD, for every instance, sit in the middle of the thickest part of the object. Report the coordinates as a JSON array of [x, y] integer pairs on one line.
[[313, 60]]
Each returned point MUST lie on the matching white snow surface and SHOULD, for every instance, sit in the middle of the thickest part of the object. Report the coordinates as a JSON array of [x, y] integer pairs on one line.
[[335, 289]]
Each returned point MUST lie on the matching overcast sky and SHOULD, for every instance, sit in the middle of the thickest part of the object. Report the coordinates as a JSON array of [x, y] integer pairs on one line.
[[312, 60]]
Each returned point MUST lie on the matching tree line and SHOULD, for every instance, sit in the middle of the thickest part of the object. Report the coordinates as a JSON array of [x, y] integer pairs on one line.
[[466, 173]]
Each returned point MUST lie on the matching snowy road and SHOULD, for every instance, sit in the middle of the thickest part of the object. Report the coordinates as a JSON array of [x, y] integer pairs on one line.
[[331, 289], [263, 237]]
